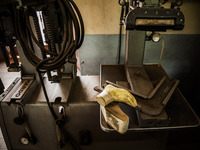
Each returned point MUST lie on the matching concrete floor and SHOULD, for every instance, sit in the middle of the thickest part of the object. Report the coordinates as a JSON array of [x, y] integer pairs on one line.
[[7, 78]]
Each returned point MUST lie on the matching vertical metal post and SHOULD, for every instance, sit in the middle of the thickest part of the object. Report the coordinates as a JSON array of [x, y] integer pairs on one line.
[[135, 46]]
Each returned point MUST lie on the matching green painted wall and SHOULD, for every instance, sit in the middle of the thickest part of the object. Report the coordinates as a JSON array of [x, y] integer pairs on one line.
[[101, 20]]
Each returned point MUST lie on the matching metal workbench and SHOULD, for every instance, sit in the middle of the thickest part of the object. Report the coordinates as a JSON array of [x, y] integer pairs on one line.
[[180, 113], [83, 114]]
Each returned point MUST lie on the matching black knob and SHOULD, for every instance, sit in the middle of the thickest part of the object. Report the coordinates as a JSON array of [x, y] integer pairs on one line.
[[19, 120]]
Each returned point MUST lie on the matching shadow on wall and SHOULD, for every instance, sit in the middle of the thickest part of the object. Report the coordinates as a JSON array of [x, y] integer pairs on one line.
[[181, 60], [97, 50]]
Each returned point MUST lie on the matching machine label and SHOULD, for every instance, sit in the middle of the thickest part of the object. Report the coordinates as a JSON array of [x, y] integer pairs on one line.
[[22, 89]]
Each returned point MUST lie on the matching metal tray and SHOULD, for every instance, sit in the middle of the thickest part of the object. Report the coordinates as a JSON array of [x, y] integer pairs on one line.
[[178, 110]]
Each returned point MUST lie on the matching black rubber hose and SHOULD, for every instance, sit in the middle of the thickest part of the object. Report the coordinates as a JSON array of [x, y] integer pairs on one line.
[[75, 20], [70, 16], [34, 59], [67, 49], [81, 23], [46, 96]]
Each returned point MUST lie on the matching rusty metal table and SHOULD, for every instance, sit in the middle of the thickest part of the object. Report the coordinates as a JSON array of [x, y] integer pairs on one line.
[[178, 109]]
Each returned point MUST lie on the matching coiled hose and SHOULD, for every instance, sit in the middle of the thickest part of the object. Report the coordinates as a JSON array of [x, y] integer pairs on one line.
[[73, 36], [70, 16]]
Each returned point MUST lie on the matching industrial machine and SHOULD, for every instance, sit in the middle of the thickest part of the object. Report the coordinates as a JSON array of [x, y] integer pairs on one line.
[[49, 107]]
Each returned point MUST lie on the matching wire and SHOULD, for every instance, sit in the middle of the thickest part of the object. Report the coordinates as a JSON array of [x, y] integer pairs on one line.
[[70, 17], [161, 54], [73, 36]]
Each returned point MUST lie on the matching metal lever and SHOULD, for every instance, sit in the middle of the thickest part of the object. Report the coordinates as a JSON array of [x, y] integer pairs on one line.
[[21, 120], [61, 117], [59, 124], [62, 135]]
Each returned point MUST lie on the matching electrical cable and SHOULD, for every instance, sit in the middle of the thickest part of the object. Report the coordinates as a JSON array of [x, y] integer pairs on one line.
[[73, 36], [70, 13], [70, 16]]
